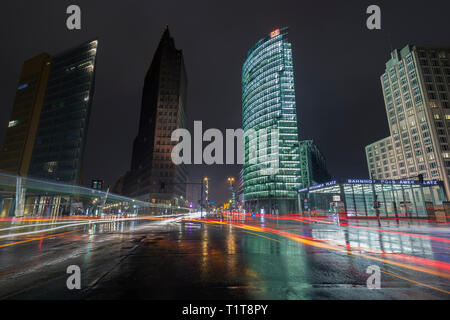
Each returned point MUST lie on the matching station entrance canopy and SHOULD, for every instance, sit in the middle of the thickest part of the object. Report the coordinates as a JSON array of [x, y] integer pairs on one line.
[[21, 196], [369, 197]]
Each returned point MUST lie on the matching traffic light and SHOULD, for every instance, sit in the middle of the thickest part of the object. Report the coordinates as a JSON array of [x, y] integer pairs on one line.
[[97, 184], [376, 204]]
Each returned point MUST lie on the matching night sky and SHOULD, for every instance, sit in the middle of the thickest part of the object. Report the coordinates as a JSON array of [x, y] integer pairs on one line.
[[337, 64]]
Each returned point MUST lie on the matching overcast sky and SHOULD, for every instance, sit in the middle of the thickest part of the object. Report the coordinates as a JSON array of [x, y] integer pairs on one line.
[[337, 64]]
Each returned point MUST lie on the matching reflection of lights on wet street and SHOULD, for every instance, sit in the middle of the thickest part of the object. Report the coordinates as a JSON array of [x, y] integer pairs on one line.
[[236, 255]]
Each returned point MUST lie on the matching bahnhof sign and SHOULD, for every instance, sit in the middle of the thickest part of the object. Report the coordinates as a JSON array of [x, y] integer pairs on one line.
[[368, 197]]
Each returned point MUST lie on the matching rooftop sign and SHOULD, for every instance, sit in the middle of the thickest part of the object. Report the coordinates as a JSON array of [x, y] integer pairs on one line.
[[275, 33]]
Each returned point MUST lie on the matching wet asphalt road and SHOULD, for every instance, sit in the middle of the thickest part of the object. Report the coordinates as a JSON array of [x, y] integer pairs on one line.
[[231, 258]]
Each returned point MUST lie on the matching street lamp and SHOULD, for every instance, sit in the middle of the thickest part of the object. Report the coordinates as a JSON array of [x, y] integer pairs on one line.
[[205, 182], [231, 181]]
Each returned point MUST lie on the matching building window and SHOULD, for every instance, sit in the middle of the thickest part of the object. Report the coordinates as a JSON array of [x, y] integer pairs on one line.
[[13, 123]]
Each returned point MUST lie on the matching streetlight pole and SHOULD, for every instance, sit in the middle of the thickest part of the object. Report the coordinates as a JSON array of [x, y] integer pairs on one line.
[[205, 180], [201, 200], [230, 181]]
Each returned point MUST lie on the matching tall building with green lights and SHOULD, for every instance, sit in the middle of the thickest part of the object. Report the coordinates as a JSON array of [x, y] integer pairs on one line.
[[269, 120]]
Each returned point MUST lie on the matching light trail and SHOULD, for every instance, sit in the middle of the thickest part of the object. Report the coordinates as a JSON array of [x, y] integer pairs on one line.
[[415, 235], [33, 225], [89, 222], [34, 239], [327, 213], [323, 245], [321, 220], [262, 236], [416, 282]]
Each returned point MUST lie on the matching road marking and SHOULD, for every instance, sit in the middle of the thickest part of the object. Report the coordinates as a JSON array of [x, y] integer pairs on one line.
[[262, 236], [416, 282]]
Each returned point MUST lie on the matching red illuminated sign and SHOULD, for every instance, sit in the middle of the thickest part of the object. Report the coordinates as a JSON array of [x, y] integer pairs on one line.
[[274, 33]]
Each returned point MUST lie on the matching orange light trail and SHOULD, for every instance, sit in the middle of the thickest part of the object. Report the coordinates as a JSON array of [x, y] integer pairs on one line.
[[416, 282], [322, 220], [323, 245], [415, 235], [34, 239]]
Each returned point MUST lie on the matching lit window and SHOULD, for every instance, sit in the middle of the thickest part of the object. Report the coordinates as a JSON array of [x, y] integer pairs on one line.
[[13, 123], [50, 166]]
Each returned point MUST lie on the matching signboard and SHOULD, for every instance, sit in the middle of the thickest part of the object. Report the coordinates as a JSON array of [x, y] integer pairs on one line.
[[336, 198], [275, 33], [360, 181], [371, 181]]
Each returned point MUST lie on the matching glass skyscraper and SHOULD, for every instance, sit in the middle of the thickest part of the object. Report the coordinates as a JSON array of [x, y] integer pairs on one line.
[[61, 137], [48, 127], [313, 165], [269, 120]]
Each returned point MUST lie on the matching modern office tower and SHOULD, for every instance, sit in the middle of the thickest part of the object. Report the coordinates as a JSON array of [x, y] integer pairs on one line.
[[48, 126], [63, 125], [313, 169], [153, 175], [416, 89], [240, 190], [15, 156], [269, 120]]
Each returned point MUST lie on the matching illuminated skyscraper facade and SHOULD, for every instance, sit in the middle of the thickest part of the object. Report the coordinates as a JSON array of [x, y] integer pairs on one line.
[[63, 126], [269, 120], [416, 90]]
